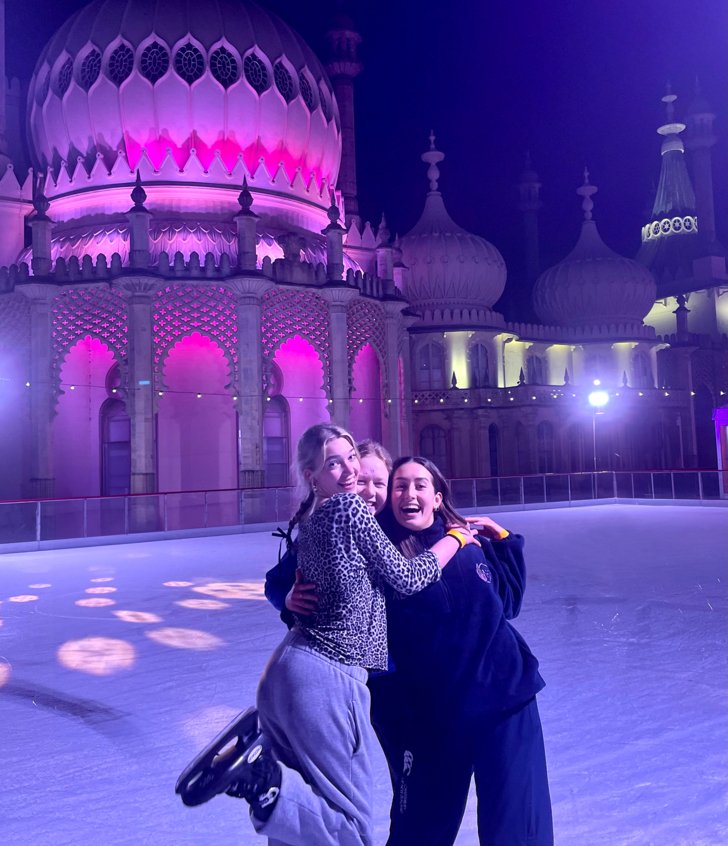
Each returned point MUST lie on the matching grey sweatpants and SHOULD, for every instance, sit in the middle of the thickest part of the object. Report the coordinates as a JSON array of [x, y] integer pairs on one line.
[[315, 711]]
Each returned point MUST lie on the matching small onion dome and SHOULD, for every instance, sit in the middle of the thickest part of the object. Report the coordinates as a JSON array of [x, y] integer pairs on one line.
[[449, 268], [222, 79], [593, 285]]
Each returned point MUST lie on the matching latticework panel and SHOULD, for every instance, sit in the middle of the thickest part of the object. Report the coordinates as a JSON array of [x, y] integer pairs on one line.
[[286, 313], [98, 312], [14, 322], [182, 309]]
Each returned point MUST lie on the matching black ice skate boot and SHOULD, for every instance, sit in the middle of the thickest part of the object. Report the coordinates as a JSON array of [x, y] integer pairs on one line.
[[258, 780], [217, 766]]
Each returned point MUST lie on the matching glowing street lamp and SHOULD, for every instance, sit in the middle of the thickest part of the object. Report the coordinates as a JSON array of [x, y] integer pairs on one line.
[[598, 399]]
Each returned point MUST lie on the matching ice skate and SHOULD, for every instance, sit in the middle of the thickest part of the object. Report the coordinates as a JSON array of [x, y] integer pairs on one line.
[[258, 779], [219, 764]]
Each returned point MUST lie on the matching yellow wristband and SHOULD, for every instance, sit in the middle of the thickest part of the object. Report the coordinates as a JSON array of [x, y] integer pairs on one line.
[[503, 534], [459, 536]]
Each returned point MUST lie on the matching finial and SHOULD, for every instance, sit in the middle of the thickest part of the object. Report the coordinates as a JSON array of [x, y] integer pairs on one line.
[[333, 213], [586, 190], [383, 234], [138, 194], [432, 157], [669, 101], [245, 198], [40, 201]]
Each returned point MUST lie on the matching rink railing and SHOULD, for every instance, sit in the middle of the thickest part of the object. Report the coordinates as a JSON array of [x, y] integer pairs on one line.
[[60, 522]]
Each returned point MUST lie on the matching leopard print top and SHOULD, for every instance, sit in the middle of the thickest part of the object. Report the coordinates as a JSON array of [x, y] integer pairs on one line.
[[344, 552]]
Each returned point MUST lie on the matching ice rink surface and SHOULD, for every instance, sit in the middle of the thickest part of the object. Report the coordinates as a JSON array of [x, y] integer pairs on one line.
[[117, 663]]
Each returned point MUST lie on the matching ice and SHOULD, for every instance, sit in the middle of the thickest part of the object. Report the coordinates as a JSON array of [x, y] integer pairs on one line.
[[102, 705]]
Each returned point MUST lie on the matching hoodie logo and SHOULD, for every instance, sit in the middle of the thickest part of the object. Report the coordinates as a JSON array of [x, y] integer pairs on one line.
[[483, 572], [408, 761]]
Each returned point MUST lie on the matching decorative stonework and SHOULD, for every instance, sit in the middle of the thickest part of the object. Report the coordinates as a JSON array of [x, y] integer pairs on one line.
[[287, 313], [98, 312], [687, 225], [365, 323], [14, 322], [208, 309]]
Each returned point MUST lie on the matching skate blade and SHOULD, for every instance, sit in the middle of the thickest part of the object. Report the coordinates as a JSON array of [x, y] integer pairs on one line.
[[208, 774]]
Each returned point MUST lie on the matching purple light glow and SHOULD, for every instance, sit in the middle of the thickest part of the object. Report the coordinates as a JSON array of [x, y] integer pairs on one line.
[[366, 398], [302, 379]]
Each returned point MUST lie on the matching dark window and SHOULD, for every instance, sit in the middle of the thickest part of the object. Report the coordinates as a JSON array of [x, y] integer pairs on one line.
[[115, 449], [276, 439], [545, 436], [493, 448], [536, 371], [121, 64], [224, 67], [284, 82], [64, 77], [430, 373], [255, 72], [154, 62], [306, 91], [90, 69], [433, 445], [479, 366], [642, 371], [189, 63]]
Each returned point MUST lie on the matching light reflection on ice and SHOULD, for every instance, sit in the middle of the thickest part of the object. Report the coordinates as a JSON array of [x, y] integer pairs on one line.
[[232, 590], [98, 656], [181, 638]]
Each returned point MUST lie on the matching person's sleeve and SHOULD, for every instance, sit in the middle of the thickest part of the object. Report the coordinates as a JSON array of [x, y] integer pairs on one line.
[[506, 560], [405, 575], [279, 580]]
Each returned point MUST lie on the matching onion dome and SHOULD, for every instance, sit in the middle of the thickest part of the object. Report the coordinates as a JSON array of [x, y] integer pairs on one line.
[[217, 82], [594, 286], [450, 270]]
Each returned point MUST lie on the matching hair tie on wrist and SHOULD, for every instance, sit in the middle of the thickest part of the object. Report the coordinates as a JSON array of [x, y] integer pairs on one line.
[[459, 537]]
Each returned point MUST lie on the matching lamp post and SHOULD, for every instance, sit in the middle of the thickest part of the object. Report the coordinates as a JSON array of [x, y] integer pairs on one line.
[[597, 398]]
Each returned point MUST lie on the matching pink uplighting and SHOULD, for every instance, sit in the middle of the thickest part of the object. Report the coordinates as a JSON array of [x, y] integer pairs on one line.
[[365, 418], [196, 419], [76, 433], [302, 384]]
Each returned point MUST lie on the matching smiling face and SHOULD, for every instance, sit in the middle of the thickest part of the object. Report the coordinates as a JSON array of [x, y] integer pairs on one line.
[[372, 485], [414, 500], [339, 471]]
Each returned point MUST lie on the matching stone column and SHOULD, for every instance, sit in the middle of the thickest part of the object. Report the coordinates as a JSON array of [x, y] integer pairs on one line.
[[394, 401], [338, 298], [41, 482], [140, 402], [249, 292], [42, 228]]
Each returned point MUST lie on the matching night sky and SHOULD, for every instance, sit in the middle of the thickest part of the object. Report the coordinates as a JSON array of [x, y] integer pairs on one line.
[[575, 82]]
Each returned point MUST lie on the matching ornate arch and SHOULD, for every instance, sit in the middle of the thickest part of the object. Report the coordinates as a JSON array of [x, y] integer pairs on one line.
[[98, 312], [182, 309], [365, 324], [286, 313]]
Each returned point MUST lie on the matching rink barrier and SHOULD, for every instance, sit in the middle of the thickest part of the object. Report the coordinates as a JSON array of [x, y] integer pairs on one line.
[[53, 523]]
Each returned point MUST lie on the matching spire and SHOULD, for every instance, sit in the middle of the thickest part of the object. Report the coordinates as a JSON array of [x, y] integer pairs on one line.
[[674, 191], [700, 137], [433, 157], [343, 66]]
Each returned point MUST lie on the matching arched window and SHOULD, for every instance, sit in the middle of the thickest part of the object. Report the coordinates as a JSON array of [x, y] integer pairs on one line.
[[433, 445], [522, 456], [479, 377], [577, 448], [276, 441], [536, 370], [115, 448], [642, 371], [430, 372], [494, 449], [545, 437]]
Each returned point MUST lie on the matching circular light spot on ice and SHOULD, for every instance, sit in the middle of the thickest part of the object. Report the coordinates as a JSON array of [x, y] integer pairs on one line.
[[204, 604], [98, 656], [137, 617], [95, 602], [177, 584], [104, 579], [232, 590], [184, 638], [4, 672], [38, 587], [101, 590], [23, 597]]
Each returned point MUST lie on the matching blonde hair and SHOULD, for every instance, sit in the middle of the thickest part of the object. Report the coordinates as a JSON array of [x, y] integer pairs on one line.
[[370, 447], [310, 457]]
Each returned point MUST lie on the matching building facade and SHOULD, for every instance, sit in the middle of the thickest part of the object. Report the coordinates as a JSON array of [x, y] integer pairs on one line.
[[186, 283]]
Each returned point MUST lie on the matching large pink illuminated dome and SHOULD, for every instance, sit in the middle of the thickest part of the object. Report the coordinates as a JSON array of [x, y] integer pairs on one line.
[[181, 89]]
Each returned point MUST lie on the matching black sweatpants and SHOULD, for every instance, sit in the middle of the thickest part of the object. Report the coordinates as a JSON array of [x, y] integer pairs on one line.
[[506, 756]]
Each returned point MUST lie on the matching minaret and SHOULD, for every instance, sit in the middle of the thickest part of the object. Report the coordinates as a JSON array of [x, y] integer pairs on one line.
[[529, 203], [699, 139], [670, 240], [342, 67]]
